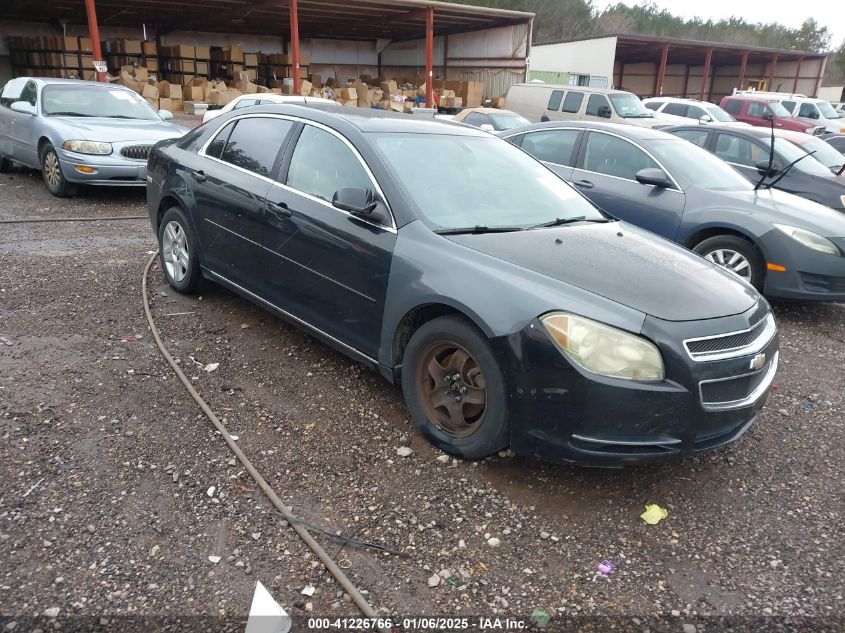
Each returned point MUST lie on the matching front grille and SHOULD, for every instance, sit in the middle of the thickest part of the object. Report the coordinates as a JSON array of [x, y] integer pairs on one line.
[[822, 283], [733, 343], [732, 390], [816, 131], [137, 152]]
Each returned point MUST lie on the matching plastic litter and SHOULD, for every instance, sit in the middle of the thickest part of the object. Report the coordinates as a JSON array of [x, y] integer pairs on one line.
[[605, 568], [654, 514], [540, 618], [808, 406], [308, 590], [211, 367], [214, 559]]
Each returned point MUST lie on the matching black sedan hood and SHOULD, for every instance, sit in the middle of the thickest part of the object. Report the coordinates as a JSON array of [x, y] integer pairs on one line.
[[624, 264]]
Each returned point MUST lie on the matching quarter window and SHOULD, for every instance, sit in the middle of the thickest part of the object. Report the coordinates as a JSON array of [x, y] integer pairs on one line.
[[699, 137], [215, 148], [553, 146], [554, 100], [573, 100], [653, 105], [322, 163], [739, 151], [789, 105], [255, 144], [595, 103], [614, 156]]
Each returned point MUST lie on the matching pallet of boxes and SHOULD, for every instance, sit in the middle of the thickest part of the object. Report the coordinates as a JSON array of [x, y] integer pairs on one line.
[[162, 95]]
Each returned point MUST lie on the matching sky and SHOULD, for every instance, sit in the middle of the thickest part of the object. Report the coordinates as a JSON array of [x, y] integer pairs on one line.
[[787, 12]]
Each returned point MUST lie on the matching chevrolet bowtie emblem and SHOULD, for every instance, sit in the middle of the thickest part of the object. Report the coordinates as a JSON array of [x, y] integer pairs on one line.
[[758, 362]]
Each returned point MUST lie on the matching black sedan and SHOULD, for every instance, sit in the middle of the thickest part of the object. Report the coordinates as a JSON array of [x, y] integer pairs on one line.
[[793, 169], [508, 307], [784, 245]]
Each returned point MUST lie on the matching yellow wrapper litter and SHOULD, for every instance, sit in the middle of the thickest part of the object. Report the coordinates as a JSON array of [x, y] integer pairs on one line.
[[654, 514]]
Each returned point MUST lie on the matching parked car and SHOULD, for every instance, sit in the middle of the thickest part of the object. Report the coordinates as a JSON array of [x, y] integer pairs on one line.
[[491, 119], [79, 132], [549, 102], [248, 100], [822, 151], [783, 245], [760, 110], [701, 111], [836, 141], [819, 111], [510, 309], [748, 151]]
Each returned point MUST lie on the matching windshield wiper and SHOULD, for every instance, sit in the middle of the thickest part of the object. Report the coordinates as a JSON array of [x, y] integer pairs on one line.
[[68, 114], [562, 221], [786, 169], [477, 229]]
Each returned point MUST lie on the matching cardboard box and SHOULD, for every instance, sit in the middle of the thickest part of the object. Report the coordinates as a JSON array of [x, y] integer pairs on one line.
[[152, 102], [250, 59], [234, 53], [70, 43], [193, 93], [149, 92], [131, 47], [201, 68], [152, 64], [148, 47], [202, 52], [451, 102], [165, 104], [183, 50], [396, 106], [70, 60], [141, 74], [184, 66], [349, 94], [176, 105], [85, 44], [498, 102], [315, 79], [305, 87], [389, 87]]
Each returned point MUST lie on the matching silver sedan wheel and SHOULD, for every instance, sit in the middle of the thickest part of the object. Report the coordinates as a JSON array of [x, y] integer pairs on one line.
[[731, 261], [174, 245], [52, 170]]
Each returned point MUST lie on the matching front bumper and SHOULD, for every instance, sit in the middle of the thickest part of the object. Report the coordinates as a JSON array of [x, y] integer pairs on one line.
[[810, 275], [113, 170], [561, 413]]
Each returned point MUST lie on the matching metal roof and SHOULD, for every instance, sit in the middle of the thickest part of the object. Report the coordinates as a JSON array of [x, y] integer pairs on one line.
[[632, 49], [345, 19]]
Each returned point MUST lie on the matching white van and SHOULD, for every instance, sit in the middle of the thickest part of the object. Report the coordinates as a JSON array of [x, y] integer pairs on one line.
[[541, 102]]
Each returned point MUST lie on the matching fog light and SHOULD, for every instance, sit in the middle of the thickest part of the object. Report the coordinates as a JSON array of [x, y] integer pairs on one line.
[[85, 169]]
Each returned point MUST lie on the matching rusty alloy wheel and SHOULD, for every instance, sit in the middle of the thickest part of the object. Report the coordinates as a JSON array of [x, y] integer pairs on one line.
[[451, 388]]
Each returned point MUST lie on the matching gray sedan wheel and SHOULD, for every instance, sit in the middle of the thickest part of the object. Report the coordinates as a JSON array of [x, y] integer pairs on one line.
[[51, 171], [736, 255]]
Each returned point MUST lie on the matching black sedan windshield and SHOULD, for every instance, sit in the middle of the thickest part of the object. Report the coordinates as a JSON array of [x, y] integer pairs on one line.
[[461, 181], [88, 101]]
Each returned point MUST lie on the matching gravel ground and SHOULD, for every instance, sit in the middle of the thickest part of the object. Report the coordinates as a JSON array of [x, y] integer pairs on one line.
[[107, 511]]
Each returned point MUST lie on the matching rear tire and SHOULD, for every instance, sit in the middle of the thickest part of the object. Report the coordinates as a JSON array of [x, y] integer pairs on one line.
[[178, 249], [454, 388], [51, 171], [736, 255]]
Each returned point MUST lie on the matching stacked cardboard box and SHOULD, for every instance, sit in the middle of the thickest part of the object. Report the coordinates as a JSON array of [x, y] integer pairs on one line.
[[50, 56], [162, 95]]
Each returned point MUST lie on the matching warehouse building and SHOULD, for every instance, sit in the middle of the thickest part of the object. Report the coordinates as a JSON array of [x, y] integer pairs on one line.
[[344, 39], [657, 66]]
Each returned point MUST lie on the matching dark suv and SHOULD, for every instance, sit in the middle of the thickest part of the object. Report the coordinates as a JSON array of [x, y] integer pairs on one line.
[[760, 110]]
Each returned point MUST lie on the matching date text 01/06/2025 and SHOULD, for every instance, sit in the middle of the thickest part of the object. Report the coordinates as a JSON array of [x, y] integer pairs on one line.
[[481, 623]]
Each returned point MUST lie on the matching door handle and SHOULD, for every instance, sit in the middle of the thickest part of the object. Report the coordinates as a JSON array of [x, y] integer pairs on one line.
[[199, 176], [279, 210], [584, 184]]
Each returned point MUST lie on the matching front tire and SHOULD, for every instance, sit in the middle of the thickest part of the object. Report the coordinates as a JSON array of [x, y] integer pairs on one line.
[[454, 388], [178, 252], [735, 254], [51, 171]]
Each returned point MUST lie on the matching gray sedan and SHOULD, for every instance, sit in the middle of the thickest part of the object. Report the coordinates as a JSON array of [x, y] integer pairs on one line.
[[79, 132]]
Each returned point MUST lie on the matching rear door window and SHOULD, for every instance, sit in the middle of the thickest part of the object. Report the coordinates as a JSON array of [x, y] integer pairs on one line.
[[739, 151], [678, 109], [573, 100], [554, 100], [594, 103], [255, 144], [653, 105], [789, 105], [694, 112], [477, 119], [553, 146], [699, 137], [613, 156], [733, 106]]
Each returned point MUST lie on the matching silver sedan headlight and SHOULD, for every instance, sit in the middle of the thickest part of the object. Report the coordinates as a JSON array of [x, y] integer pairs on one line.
[[88, 147], [809, 239], [603, 349]]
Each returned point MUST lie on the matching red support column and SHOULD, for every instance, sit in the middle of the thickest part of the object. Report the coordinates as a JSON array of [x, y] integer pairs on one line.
[[661, 71], [94, 34], [429, 56], [797, 73], [706, 72], [771, 80], [742, 70], [294, 45]]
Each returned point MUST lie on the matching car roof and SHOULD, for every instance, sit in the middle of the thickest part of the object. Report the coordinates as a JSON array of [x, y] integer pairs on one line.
[[370, 119], [280, 98], [678, 100], [634, 132], [489, 110], [764, 98], [751, 130], [532, 84]]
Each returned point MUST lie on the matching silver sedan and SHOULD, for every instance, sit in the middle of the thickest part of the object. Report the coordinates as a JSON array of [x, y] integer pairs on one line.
[[79, 132]]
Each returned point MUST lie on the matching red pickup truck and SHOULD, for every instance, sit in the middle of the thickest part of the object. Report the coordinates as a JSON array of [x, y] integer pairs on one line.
[[759, 110]]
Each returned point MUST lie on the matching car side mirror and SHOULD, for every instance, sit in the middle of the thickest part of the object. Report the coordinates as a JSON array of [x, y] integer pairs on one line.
[[763, 167], [604, 112], [24, 107], [356, 200], [767, 116], [706, 118], [487, 127], [166, 115], [653, 176]]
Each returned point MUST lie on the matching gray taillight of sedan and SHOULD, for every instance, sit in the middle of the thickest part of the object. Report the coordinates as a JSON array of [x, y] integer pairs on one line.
[[79, 132], [510, 309], [784, 245]]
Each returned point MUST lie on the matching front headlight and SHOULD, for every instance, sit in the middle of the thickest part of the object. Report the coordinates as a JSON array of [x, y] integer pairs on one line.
[[603, 349], [87, 147], [809, 239]]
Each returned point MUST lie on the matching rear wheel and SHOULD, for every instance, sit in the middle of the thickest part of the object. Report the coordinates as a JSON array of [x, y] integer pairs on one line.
[[51, 171], [454, 388], [735, 254], [178, 251]]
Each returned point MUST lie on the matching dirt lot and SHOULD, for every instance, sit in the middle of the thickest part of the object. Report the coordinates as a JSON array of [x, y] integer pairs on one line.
[[106, 466]]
